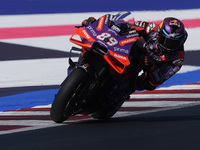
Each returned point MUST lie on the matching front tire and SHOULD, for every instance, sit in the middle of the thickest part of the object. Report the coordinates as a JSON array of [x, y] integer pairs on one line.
[[62, 100]]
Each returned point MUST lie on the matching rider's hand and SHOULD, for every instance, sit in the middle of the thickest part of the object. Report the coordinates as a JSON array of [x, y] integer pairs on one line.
[[88, 21], [147, 63]]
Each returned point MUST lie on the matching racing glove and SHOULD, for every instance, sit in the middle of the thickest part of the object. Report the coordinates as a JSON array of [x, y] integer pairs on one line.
[[147, 63], [88, 21]]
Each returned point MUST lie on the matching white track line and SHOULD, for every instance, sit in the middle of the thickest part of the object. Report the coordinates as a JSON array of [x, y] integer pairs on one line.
[[150, 96]]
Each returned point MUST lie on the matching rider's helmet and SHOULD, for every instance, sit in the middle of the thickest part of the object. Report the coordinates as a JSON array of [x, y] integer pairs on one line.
[[171, 35]]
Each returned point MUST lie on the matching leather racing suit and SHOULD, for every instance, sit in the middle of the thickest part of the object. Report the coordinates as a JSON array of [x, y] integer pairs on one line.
[[158, 67]]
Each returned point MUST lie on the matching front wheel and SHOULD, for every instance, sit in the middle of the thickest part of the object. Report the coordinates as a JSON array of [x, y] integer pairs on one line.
[[62, 107]]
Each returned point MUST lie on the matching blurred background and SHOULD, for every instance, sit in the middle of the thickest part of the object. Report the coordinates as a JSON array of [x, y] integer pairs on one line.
[[10, 7]]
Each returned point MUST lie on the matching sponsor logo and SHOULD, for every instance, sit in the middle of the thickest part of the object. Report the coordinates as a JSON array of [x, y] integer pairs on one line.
[[110, 30], [132, 31], [127, 41], [119, 56], [131, 35], [86, 34], [100, 23], [150, 27], [117, 49], [106, 19], [115, 28], [92, 30], [173, 35], [176, 69], [175, 23], [102, 43], [141, 23]]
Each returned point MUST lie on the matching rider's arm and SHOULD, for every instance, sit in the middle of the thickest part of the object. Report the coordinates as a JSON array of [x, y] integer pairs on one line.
[[164, 72], [144, 28], [154, 75], [160, 75]]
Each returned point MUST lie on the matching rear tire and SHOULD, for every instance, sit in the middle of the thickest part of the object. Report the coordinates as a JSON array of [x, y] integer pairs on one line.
[[67, 90], [108, 111]]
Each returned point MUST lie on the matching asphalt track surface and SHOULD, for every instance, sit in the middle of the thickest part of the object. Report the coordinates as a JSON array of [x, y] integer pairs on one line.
[[165, 130]]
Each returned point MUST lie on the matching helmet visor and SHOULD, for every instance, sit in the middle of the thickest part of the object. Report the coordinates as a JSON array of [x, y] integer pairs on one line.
[[168, 43]]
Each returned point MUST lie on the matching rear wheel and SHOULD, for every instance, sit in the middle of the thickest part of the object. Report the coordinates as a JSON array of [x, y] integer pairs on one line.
[[108, 111], [63, 106], [114, 99]]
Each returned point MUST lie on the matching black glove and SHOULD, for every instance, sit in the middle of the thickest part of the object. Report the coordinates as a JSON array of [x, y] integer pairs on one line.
[[147, 63], [88, 21]]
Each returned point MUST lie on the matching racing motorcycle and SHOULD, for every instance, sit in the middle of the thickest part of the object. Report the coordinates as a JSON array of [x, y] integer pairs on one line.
[[100, 82]]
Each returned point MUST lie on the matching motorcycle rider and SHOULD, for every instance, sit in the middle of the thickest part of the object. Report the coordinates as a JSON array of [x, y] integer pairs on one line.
[[161, 51]]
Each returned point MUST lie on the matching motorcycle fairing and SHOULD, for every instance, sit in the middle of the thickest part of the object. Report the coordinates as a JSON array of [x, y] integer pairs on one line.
[[118, 46], [82, 33]]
